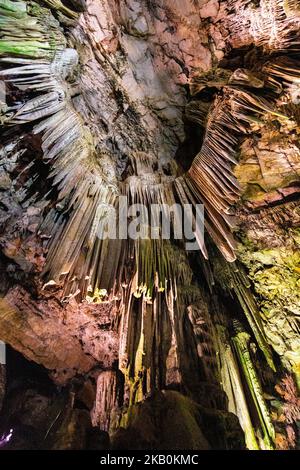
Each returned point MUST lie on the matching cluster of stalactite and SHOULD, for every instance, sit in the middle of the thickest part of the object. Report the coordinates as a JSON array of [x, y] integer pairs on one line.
[[85, 188], [271, 24], [151, 280]]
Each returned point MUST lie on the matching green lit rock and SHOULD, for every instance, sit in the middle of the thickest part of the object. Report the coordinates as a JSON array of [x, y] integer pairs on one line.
[[169, 420]]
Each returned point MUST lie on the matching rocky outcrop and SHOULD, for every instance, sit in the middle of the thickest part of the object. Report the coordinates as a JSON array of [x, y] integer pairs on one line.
[[145, 54], [42, 417], [65, 341], [171, 421]]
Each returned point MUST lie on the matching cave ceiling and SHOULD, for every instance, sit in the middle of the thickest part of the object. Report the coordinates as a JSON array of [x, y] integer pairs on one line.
[[160, 102]]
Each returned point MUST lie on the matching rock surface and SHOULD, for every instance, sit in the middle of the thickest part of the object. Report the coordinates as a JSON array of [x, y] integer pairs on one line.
[[171, 421], [67, 341]]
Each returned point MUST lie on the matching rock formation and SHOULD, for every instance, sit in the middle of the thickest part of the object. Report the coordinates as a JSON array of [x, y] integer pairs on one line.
[[167, 103]]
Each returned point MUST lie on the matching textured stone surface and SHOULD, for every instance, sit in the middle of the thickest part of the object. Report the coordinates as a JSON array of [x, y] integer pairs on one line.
[[67, 341], [144, 53], [169, 420], [272, 258], [269, 172], [106, 403], [269, 163]]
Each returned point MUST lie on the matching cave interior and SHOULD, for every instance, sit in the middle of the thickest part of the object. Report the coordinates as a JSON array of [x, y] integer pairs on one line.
[[134, 343]]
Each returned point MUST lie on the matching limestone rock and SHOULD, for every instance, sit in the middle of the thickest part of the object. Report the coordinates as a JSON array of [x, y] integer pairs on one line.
[[210, 9], [170, 421], [65, 343]]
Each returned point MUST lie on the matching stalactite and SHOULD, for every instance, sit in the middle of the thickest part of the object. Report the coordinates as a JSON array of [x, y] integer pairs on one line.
[[148, 348], [210, 178], [241, 344], [28, 32], [57, 5], [241, 286], [106, 401], [232, 385], [86, 187], [273, 24], [206, 341], [67, 146]]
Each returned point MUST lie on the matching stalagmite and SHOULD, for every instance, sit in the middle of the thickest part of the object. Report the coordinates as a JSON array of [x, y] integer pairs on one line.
[[241, 344]]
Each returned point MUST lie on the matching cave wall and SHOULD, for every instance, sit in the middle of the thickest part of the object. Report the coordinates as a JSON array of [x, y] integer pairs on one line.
[[144, 75]]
